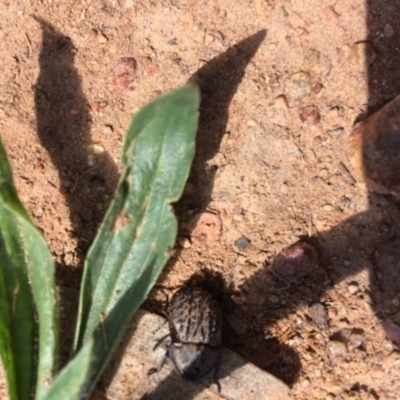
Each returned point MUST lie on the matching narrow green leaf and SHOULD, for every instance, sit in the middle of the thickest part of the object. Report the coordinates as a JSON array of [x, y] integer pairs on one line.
[[132, 246], [69, 384], [28, 324]]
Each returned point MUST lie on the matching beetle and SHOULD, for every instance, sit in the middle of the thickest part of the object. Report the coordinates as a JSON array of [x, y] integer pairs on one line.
[[195, 323]]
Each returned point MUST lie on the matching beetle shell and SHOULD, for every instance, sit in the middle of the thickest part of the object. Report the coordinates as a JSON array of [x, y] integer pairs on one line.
[[195, 322]]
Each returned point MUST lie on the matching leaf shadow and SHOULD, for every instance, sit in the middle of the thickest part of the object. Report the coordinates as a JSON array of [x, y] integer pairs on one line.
[[218, 81], [64, 129]]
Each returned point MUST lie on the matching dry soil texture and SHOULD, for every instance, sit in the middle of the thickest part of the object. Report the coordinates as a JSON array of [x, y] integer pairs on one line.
[[282, 83]]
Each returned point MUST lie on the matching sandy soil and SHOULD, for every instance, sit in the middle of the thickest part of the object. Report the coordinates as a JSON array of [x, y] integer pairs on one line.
[[283, 83]]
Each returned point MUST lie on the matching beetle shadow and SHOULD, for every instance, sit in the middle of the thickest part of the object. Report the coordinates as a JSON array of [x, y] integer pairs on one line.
[[367, 241], [63, 128]]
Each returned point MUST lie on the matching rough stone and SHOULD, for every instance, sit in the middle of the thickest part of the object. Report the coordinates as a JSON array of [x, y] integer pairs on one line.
[[310, 115], [124, 75], [335, 348], [316, 63], [297, 260], [242, 243], [298, 85], [127, 377]]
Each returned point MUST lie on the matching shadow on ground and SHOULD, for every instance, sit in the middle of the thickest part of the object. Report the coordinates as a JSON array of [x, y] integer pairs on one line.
[[218, 80], [64, 123], [369, 240]]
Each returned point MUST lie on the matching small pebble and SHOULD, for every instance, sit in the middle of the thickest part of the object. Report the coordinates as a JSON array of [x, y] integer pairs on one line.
[[305, 384], [124, 76], [316, 63], [324, 173], [298, 85], [278, 111], [310, 115], [68, 258], [282, 102], [98, 106], [209, 39], [353, 288], [335, 133], [173, 42], [248, 269], [317, 88], [241, 259], [185, 243], [297, 260], [95, 149], [242, 244], [38, 213], [332, 117], [356, 339], [392, 331], [102, 38], [238, 210], [318, 315], [328, 207], [335, 348], [108, 129]]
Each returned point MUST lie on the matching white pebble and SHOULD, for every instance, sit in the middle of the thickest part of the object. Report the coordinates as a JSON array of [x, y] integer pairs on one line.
[[353, 288]]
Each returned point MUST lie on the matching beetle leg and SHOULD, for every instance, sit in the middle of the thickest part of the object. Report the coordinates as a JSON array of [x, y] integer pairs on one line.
[[216, 373], [152, 371], [159, 341], [164, 359]]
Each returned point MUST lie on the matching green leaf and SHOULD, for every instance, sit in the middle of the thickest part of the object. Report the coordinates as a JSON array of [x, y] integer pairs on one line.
[[132, 246], [69, 384], [28, 323]]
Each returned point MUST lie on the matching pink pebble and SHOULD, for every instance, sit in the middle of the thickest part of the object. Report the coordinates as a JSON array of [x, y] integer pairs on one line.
[[124, 75]]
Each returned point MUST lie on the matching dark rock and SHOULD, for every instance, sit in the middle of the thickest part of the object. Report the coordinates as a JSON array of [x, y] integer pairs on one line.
[[242, 243], [298, 260]]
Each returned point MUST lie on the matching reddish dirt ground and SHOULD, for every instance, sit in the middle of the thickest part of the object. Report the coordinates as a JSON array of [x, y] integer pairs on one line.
[[282, 84]]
